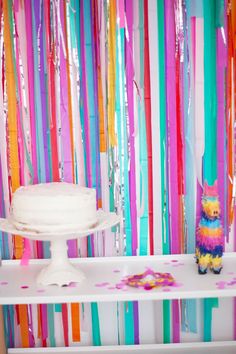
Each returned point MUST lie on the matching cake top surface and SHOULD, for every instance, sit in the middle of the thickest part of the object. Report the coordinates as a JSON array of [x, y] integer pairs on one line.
[[53, 189]]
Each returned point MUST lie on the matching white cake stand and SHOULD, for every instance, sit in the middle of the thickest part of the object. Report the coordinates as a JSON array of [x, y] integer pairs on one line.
[[60, 271]]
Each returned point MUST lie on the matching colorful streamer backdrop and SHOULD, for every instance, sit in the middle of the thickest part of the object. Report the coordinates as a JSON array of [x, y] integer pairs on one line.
[[135, 99]]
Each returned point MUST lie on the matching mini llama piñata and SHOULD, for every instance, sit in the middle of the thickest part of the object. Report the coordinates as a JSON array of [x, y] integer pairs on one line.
[[209, 241]]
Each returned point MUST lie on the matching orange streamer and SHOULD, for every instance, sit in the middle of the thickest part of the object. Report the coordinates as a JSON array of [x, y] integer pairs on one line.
[[12, 119], [75, 318], [24, 328]]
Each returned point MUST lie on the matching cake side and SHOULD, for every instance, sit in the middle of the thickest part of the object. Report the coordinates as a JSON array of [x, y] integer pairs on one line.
[[53, 205]]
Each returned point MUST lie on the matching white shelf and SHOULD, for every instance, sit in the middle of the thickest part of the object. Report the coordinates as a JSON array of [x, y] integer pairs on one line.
[[180, 348], [109, 271]]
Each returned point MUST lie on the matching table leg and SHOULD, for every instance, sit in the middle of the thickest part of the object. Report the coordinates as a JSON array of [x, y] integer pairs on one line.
[[3, 349]]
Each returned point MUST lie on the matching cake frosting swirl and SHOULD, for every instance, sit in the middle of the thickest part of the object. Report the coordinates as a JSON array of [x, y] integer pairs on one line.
[[53, 206]]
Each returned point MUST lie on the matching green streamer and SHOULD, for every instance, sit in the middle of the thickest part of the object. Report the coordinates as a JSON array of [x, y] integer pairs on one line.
[[164, 191], [210, 107]]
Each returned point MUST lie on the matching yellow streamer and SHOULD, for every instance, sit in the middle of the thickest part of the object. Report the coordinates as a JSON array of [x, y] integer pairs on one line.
[[111, 72]]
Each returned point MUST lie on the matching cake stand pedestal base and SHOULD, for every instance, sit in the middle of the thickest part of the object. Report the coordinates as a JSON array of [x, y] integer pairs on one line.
[[59, 271]]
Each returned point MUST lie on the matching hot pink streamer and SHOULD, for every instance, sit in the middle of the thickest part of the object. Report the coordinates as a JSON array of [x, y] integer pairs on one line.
[[28, 23], [221, 65], [173, 159], [171, 114]]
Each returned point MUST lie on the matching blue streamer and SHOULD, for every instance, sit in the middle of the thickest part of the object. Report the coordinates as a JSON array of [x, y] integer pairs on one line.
[[189, 318]]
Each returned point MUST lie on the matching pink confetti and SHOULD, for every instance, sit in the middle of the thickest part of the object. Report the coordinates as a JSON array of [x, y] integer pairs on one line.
[[120, 286], [174, 260], [116, 271], [24, 287], [3, 283], [40, 291], [221, 284], [72, 285], [177, 285], [101, 285]]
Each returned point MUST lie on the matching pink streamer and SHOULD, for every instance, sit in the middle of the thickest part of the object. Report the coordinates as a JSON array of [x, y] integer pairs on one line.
[[122, 13], [28, 23], [221, 65], [171, 114]]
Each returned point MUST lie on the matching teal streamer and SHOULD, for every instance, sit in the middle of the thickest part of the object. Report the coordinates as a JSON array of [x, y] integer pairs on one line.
[[208, 305], [72, 9], [129, 320], [210, 101], [210, 109], [220, 13], [51, 329], [58, 308], [95, 324], [142, 144], [163, 153]]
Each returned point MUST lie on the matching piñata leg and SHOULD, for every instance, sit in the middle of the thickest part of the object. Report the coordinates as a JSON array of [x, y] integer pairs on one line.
[[204, 261], [216, 261]]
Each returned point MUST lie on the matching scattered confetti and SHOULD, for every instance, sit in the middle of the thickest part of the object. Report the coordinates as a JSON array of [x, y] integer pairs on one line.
[[101, 285], [24, 287]]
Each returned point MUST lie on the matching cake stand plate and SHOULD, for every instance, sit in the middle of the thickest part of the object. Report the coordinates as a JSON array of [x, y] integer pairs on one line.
[[60, 271]]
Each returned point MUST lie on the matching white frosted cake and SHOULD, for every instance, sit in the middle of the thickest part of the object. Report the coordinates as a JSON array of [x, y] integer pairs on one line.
[[53, 206]]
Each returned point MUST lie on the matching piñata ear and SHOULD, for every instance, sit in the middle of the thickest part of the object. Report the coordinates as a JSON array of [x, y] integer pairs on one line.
[[205, 188], [216, 185]]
